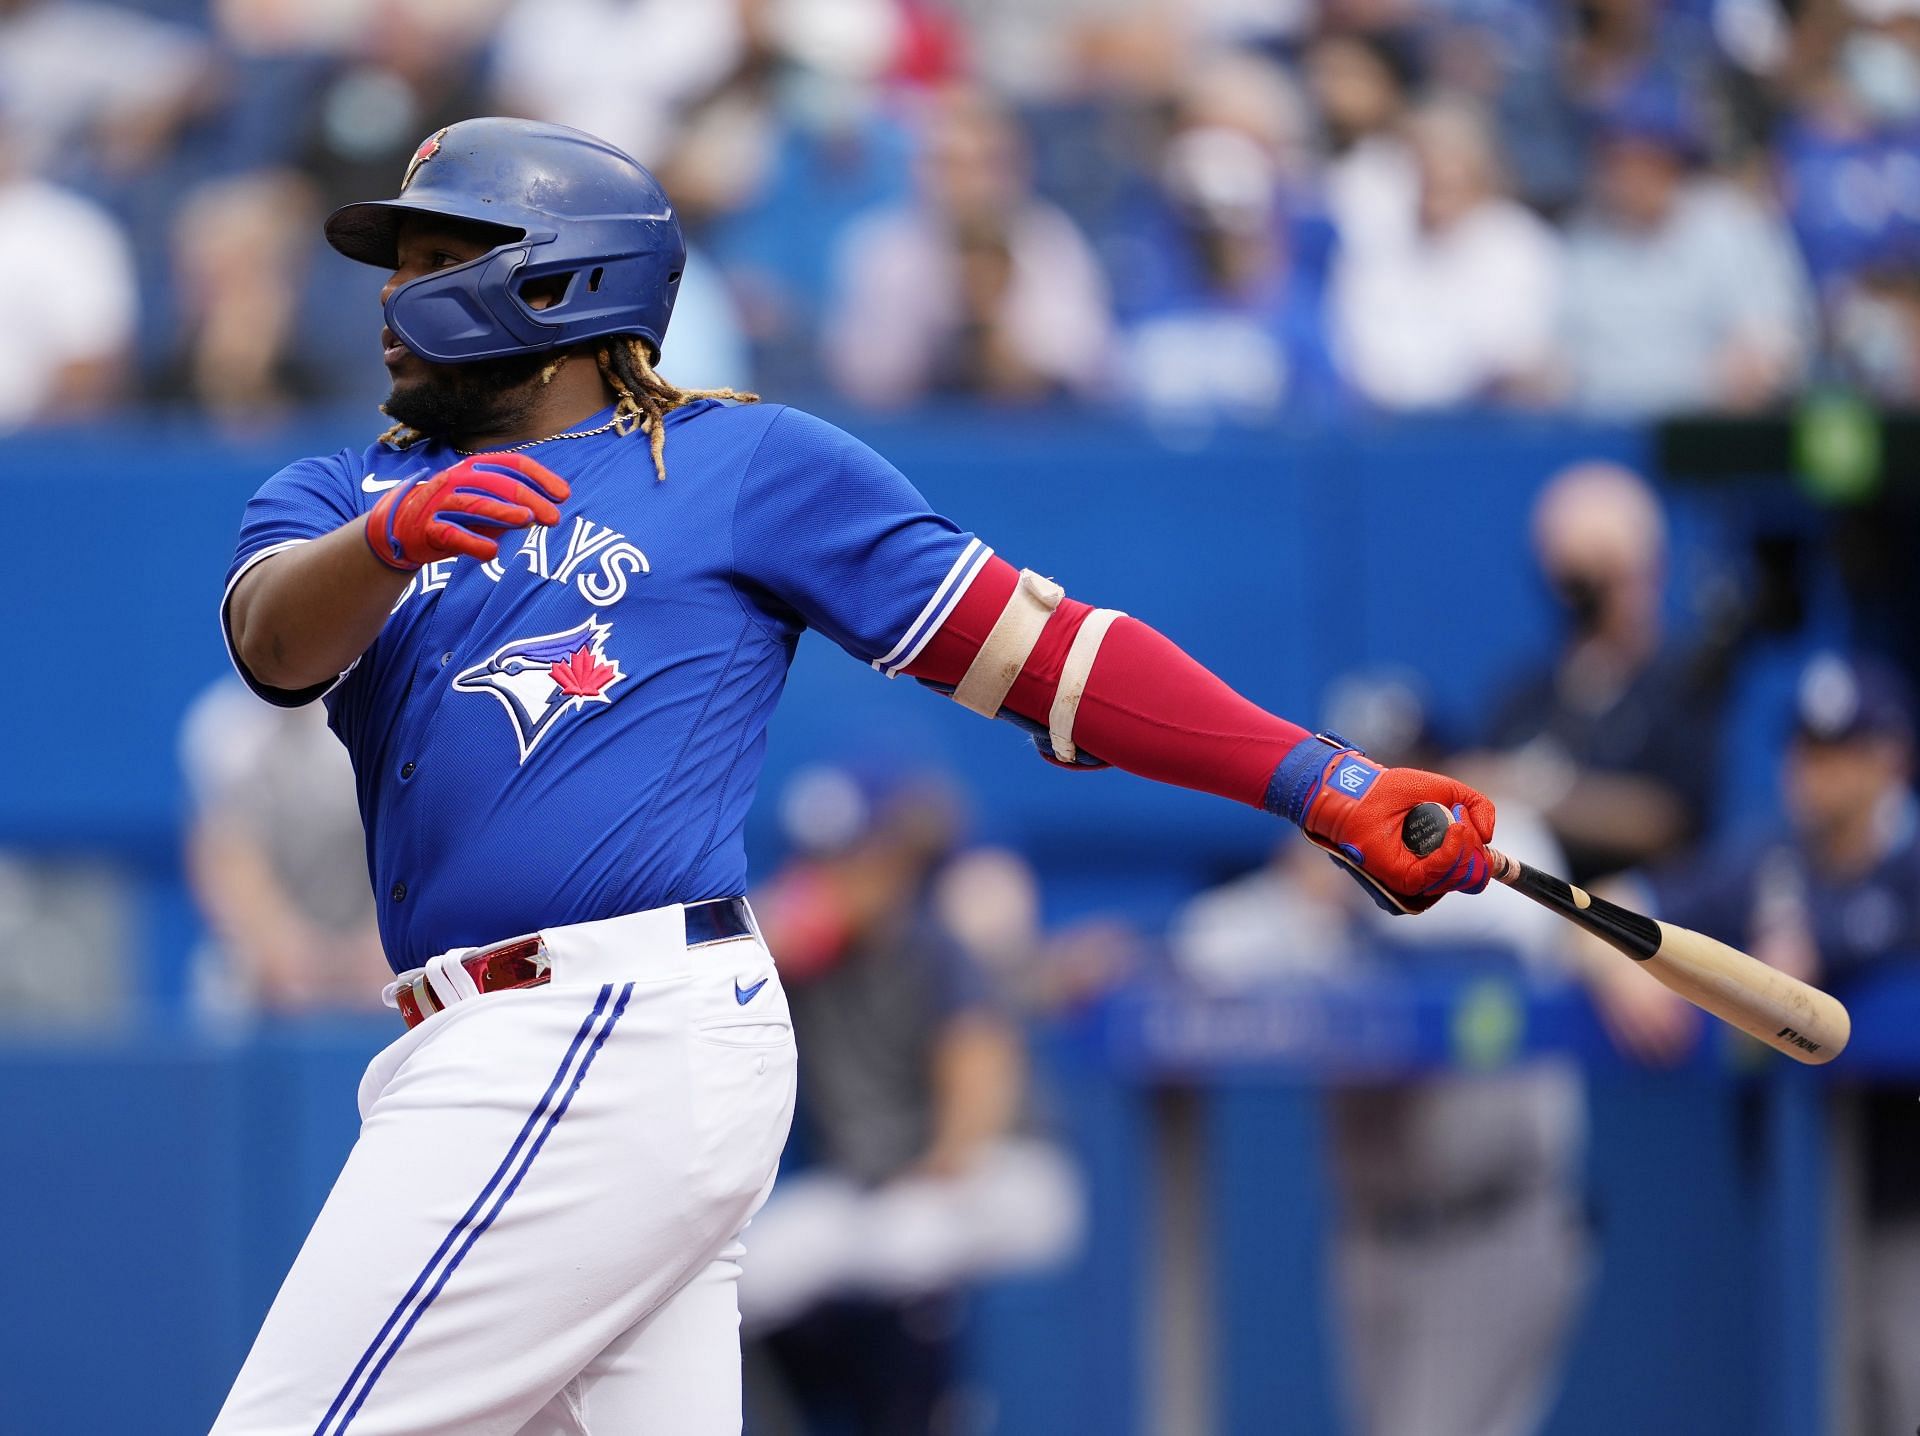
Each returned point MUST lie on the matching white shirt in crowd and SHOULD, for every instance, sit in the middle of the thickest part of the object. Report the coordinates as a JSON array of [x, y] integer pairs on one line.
[[1428, 319], [1651, 316], [900, 305], [580, 62], [67, 292]]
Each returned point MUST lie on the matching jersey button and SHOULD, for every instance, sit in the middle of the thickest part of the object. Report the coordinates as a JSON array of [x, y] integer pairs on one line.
[[399, 892], [406, 770]]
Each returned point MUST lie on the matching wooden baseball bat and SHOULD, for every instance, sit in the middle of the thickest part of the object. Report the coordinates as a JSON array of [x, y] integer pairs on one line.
[[1785, 1013]]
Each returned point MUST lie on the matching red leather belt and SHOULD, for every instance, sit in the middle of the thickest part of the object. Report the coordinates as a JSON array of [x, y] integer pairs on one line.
[[523, 961]]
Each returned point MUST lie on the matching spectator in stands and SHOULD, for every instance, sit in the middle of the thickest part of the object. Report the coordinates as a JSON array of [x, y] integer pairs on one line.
[[68, 296], [1362, 87], [1612, 46], [977, 287], [1874, 323], [276, 860], [927, 1175], [1226, 263], [1448, 299], [1834, 899], [1456, 1194], [1504, 54], [1681, 291], [765, 185], [241, 250], [1853, 193], [95, 90], [269, 313], [621, 69], [1615, 738]]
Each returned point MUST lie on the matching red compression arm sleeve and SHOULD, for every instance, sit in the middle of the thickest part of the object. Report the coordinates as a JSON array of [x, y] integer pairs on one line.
[[1148, 707]]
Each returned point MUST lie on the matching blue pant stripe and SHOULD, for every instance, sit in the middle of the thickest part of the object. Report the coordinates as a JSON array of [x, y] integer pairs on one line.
[[466, 1220], [513, 1185]]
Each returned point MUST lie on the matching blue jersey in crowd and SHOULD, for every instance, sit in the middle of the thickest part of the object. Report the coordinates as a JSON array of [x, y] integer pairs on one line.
[[574, 730], [1857, 923]]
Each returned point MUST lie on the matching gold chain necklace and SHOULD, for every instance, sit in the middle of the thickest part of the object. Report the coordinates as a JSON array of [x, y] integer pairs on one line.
[[516, 448]]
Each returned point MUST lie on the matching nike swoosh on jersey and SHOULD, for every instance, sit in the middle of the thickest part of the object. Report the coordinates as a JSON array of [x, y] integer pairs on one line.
[[379, 486], [745, 995]]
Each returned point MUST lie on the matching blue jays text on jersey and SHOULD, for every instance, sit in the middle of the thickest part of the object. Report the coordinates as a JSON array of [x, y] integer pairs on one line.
[[574, 730]]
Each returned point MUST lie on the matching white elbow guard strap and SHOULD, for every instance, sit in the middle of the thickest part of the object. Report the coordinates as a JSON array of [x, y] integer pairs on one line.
[[1073, 680], [990, 676], [1008, 646]]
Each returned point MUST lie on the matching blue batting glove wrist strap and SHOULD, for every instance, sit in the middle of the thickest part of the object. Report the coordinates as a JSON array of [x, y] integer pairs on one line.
[[1291, 790]]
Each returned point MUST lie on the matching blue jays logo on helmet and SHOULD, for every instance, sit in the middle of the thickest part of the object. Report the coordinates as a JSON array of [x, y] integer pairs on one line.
[[540, 680]]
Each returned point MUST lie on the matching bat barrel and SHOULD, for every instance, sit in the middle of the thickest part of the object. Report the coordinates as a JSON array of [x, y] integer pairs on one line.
[[1780, 1010], [1787, 1014]]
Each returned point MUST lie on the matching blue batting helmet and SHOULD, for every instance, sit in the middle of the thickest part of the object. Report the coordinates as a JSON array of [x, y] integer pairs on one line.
[[567, 205]]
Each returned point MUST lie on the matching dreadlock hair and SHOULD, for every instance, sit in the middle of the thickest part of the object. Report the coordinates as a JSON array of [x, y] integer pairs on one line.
[[645, 399], [642, 398]]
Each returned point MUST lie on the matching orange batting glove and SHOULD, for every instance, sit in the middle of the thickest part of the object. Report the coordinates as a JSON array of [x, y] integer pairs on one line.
[[1353, 807]]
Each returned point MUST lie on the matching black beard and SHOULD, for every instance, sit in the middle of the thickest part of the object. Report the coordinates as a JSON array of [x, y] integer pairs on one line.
[[458, 401]]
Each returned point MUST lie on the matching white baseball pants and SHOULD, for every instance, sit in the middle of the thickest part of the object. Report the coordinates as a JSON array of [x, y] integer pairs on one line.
[[536, 1231]]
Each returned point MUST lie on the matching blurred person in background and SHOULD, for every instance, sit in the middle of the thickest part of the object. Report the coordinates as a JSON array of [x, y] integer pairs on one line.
[[328, 103], [1833, 899], [265, 313], [373, 76], [1044, 53], [1615, 738], [770, 164], [1461, 1251], [68, 300], [1682, 292], [1448, 297], [1846, 151], [1362, 87], [1505, 55], [1875, 324], [1225, 295], [92, 92], [1610, 47], [625, 70], [977, 287], [927, 1174], [242, 248], [276, 860]]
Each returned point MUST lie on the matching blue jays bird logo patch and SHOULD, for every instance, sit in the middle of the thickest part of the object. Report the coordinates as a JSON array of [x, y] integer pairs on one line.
[[429, 147], [541, 680]]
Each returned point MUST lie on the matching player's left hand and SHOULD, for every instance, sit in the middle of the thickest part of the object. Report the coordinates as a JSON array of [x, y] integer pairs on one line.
[[1353, 807]]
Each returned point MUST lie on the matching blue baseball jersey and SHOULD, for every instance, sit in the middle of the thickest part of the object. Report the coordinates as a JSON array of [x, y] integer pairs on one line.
[[574, 730]]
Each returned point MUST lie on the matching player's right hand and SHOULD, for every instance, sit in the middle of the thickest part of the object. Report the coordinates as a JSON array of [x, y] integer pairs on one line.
[[1355, 808], [463, 510]]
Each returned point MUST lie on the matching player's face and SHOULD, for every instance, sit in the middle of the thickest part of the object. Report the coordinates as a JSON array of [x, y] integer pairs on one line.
[[450, 400]]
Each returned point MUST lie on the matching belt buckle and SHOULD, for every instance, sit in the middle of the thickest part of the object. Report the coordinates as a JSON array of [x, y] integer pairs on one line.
[[415, 1000]]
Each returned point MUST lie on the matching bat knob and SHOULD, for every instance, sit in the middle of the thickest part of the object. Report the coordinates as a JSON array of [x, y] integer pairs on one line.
[[1424, 828]]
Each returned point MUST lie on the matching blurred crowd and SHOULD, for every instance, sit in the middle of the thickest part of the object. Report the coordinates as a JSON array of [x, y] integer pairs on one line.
[[1238, 208], [1248, 207]]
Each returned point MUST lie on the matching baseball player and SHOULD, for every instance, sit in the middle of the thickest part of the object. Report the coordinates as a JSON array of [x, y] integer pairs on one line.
[[550, 612]]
